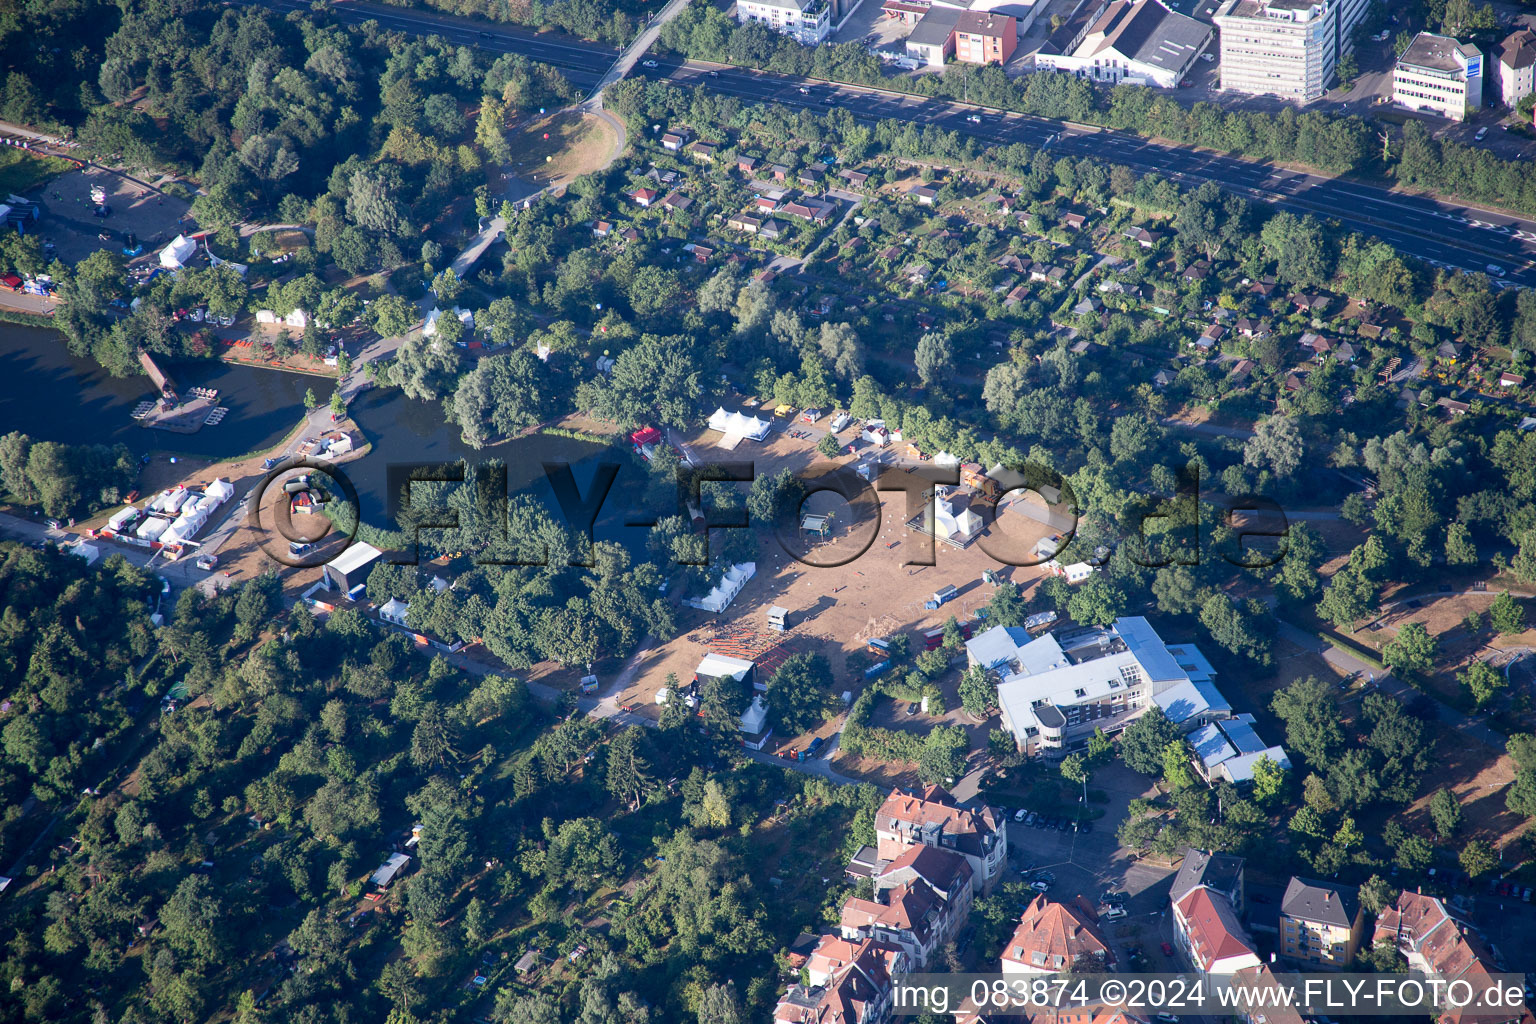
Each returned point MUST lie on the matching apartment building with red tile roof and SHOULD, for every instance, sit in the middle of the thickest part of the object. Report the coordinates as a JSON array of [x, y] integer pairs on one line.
[[1434, 940], [850, 983], [913, 916], [1053, 937], [933, 818], [1211, 937]]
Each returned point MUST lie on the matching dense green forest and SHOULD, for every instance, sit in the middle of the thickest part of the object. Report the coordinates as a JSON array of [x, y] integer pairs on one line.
[[218, 792]]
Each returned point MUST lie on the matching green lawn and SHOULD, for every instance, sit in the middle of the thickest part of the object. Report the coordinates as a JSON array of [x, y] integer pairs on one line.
[[20, 170]]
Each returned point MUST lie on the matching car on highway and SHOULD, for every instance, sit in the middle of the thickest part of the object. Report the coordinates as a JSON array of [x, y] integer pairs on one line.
[[1495, 270], [485, 35], [650, 64], [804, 91], [974, 119], [714, 74]]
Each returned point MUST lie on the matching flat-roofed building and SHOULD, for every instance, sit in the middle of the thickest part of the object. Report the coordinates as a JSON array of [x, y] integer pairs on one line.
[[808, 22], [1138, 41], [1285, 48], [1439, 75]]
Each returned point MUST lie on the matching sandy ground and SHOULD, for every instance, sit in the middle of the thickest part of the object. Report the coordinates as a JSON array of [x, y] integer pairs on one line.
[[833, 610], [70, 225]]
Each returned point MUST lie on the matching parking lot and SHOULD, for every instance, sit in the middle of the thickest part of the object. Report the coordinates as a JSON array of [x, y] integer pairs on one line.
[[1087, 864]]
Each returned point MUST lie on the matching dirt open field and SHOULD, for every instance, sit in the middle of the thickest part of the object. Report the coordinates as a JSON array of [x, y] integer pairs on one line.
[[576, 144], [860, 588], [153, 219]]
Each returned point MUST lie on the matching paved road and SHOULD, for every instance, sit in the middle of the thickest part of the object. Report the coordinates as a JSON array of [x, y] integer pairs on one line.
[[1457, 234], [1467, 726]]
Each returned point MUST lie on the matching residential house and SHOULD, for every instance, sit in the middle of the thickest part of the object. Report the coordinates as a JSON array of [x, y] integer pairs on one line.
[[703, 152], [1345, 352], [602, 229], [1209, 337], [1509, 380], [1221, 873], [1450, 352], [854, 177], [1142, 237], [1074, 221], [932, 39], [1436, 941], [1055, 694], [1316, 344], [700, 253], [891, 252], [779, 172], [1210, 938], [746, 164], [771, 229], [765, 204], [913, 916], [1053, 937], [918, 273], [1317, 305], [985, 37], [744, 222], [1517, 66], [1008, 261], [1264, 287], [1248, 328], [933, 818], [674, 140], [1199, 270], [1162, 378], [924, 194], [807, 22], [630, 235], [1453, 407], [944, 871], [677, 202], [643, 196], [1241, 370], [811, 175], [849, 983], [818, 211], [1320, 922]]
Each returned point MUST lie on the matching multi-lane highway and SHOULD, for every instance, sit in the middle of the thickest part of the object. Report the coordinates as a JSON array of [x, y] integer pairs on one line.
[[1441, 232]]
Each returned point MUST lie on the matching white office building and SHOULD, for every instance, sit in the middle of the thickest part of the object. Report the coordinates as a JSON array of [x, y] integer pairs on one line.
[[1057, 689], [1285, 48], [808, 22], [1439, 75]]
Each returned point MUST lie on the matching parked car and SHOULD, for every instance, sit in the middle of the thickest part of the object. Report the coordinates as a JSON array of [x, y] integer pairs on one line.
[[1033, 817], [1167, 949], [1111, 896], [1480, 133], [1040, 886], [1042, 822], [650, 63], [1115, 913], [1019, 814]]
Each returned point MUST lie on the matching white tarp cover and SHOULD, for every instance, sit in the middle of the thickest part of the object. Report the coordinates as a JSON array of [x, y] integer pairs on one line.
[[175, 255], [152, 528], [726, 590], [755, 717], [220, 490], [428, 329], [736, 423]]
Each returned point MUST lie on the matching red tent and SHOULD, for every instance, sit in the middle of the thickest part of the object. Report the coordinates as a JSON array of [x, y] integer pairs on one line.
[[645, 435]]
